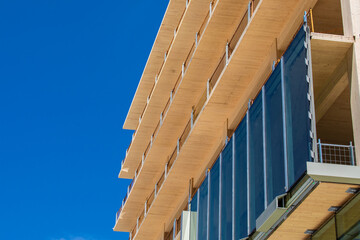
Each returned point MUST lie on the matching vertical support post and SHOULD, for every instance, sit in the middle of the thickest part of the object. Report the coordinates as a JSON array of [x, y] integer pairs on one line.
[[233, 188], [227, 53], [191, 187], [208, 89], [311, 92], [177, 147], [166, 170], [220, 191], [192, 118], [312, 20], [208, 206], [264, 145], [174, 229], [283, 101], [145, 208], [197, 207], [196, 39], [248, 166], [252, 7], [320, 151], [352, 154]]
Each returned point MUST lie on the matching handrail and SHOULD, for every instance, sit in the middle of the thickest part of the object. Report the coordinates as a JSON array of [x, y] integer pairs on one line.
[[336, 153]]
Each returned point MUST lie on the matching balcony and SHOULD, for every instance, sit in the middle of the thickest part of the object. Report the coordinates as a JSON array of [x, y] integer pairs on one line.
[[163, 81], [162, 42]]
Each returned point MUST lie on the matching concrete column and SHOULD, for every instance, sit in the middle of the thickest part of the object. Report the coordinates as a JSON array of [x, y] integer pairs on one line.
[[351, 22], [355, 96]]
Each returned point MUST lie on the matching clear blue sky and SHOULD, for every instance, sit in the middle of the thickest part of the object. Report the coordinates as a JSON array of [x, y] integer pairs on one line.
[[68, 72]]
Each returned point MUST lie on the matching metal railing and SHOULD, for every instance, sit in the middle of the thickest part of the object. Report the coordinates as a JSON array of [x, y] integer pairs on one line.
[[158, 74], [336, 154]]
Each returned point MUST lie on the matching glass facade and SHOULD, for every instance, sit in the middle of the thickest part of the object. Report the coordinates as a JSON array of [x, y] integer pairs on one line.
[[266, 155], [214, 201], [344, 225], [256, 161], [226, 192], [240, 182], [203, 210], [275, 164], [294, 71]]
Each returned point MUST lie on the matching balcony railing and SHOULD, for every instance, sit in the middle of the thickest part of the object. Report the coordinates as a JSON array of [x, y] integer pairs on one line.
[[199, 106], [158, 74], [336, 154]]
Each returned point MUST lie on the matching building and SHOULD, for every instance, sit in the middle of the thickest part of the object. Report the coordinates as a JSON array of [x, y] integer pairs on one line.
[[247, 123]]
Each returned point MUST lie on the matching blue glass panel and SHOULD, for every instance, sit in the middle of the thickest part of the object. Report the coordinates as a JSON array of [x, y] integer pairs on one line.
[[214, 201], [256, 164], [203, 210], [297, 107], [194, 202], [240, 182], [194, 208], [275, 165], [226, 192]]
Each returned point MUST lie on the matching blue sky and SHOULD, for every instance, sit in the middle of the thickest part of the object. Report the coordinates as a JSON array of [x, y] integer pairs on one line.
[[68, 72]]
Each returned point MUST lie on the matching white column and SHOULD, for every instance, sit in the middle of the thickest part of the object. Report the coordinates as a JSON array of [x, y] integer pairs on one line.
[[351, 22]]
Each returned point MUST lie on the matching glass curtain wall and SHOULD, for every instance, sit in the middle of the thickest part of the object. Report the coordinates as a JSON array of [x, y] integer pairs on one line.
[[240, 182], [256, 161], [265, 157], [275, 165], [214, 202], [203, 210], [294, 70], [226, 192]]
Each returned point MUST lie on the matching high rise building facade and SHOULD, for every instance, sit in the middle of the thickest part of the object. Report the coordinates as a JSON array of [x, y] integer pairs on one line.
[[247, 124]]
